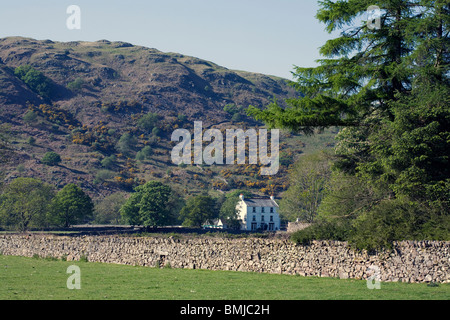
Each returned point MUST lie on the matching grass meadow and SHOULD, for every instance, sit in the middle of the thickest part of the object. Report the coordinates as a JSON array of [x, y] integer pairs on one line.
[[23, 278]]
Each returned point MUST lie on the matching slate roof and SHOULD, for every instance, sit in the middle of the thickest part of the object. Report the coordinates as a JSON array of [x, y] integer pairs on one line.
[[260, 203]]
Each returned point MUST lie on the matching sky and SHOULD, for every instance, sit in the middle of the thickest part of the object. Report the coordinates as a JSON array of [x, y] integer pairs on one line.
[[264, 36]]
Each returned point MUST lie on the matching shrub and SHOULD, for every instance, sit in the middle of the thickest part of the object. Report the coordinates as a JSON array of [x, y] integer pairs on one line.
[[109, 162], [107, 210], [30, 117], [51, 158], [156, 131], [35, 80], [103, 175], [126, 143], [182, 118], [148, 121], [140, 156], [338, 230], [145, 153], [75, 85]]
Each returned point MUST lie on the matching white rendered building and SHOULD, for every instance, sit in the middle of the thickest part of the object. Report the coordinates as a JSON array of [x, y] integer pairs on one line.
[[258, 214]]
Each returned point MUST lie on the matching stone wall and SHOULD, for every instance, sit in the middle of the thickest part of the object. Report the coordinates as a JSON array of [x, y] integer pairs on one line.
[[410, 261], [296, 226]]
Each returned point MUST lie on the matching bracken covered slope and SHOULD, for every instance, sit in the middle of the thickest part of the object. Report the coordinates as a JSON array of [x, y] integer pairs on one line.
[[97, 92]]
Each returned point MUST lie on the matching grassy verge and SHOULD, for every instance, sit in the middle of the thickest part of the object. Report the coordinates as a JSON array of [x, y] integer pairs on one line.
[[24, 278]]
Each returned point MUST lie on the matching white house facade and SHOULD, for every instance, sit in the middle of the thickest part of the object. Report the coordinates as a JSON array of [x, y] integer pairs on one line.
[[258, 214]]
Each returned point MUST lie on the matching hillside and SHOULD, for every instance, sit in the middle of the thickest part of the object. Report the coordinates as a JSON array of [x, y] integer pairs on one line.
[[83, 97]]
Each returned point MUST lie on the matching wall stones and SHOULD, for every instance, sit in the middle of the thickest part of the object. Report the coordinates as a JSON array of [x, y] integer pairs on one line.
[[410, 261]]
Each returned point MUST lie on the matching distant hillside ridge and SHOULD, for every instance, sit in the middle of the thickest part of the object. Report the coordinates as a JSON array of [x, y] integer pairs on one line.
[[108, 109], [84, 74]]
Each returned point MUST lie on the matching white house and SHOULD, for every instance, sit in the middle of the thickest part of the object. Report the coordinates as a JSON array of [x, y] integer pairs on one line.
[[215, 224], [258, 214]]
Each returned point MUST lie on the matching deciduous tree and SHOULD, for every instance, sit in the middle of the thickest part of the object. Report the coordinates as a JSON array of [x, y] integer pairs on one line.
[[148, 205], [25, 204], [71, 205]]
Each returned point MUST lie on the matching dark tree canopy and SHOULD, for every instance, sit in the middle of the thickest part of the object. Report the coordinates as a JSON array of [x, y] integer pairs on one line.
[[148, 205], [51, 158], [71, 205], [198, 210], [25, 203], [387, 89]]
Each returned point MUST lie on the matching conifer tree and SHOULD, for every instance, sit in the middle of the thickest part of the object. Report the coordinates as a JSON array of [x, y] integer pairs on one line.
[[387, 88]]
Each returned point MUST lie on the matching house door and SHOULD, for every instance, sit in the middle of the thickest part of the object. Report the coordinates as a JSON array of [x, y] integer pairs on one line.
[[271, 226], [254, 226]]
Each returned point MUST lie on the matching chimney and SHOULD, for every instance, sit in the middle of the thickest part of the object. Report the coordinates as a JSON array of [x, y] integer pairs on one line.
[[241, 196]]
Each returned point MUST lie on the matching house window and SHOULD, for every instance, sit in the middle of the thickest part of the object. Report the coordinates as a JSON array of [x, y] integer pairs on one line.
[[262, 218], [262, 209], [254, 209], [271, 218], [254, 218], [271, 210]]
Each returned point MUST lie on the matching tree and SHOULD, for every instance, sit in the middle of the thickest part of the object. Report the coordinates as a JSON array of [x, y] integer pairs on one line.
[[109, 162], [148, 205], [35, 80], [228, 208], [388, 89], [51, 158], [145, 153], [308, 178], [198, 210], [107, 210], [25, 203], [126, 143], [30, 117], [71, 205], [76, 85], [148, 122]]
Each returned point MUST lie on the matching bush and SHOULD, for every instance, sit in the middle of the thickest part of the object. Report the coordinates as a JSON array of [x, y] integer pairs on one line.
[[376, 228], [75, 85], [338, 230], [145, 153], [103, 175], [107, 210], [109, 162], [156, 131], [30, 117], [182, 118], [35, 80], [397, 220], [126, 143], [148, 121], [51, 158]]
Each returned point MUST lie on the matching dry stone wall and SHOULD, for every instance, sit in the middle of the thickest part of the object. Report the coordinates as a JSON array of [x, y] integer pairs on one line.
[[410, 261]]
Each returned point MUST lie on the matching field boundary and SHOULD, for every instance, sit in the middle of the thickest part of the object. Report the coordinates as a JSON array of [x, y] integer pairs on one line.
[[409, 261]]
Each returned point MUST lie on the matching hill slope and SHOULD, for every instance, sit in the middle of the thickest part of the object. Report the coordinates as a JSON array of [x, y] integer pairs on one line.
[[98, 91]]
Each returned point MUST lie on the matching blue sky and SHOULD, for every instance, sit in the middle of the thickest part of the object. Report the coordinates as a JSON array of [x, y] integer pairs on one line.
[[254, 35]]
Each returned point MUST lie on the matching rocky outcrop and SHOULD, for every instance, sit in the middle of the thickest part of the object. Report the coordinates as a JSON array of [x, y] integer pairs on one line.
[[409, 261]]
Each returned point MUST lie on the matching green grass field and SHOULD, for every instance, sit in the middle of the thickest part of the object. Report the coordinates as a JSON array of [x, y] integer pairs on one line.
[[24, 278]]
